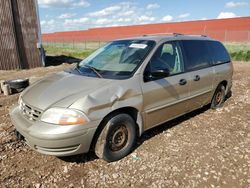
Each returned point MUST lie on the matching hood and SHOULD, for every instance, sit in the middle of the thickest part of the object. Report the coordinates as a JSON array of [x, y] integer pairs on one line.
[[53, 89]]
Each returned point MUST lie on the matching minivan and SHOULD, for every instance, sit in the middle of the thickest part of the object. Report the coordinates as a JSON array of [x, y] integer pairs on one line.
[[123, 89]]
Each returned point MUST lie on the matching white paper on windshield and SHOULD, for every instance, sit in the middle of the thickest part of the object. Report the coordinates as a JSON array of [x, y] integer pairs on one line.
[[141, 46]]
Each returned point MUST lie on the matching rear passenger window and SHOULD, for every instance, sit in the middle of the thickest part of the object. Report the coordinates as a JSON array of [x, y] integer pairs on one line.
[[219, 53], [197, 54]]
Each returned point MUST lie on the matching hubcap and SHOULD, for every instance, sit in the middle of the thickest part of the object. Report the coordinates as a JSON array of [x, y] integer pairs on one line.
[[118, 138], [218, 97]]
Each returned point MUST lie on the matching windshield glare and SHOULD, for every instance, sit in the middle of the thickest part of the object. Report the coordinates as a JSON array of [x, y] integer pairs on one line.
[[118, 58]]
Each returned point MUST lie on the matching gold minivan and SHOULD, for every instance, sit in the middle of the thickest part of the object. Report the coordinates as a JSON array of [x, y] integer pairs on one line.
[[122, 89]]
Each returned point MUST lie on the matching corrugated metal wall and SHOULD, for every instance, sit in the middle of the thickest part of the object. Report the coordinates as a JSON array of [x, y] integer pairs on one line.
[[233, 29], [19, 35], [9, 57]]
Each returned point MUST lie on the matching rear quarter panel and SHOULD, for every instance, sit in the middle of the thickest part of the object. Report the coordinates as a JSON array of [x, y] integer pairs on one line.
[[223, 72]]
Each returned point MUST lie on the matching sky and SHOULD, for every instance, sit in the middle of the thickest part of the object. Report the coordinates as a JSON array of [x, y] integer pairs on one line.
[[69, 15]]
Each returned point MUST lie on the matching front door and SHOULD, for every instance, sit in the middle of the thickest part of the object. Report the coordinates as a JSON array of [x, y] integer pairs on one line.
[[165, 98]]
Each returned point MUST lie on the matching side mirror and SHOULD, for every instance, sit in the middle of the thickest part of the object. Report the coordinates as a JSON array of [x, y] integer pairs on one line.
[[161, 73], [156, 75]]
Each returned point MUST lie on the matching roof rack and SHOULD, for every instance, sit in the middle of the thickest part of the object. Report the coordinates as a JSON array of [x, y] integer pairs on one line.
[[155, 34], [199, 35], [175, 34]]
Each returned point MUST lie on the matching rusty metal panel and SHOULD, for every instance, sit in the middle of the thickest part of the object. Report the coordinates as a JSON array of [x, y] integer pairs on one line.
[[9, 57], [27, 32], [19, 35]]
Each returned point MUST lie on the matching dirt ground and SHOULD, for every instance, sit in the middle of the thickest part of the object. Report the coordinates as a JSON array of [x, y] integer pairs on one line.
[[206, 148]]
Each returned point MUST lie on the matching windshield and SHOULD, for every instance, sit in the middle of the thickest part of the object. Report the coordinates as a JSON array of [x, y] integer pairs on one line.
[[118, 59]]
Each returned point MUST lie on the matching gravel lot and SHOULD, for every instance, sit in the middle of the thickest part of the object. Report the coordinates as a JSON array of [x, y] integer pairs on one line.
[[206, 148]]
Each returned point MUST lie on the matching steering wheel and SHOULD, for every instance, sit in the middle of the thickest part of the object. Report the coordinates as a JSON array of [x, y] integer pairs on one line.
[[165, 63]]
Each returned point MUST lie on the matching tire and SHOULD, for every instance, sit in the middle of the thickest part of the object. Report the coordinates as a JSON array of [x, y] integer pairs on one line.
[[229, 94], [219, 97], [18, 84], [117, 138], [18, 135]]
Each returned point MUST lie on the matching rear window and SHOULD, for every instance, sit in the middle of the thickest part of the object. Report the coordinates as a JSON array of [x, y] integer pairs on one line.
[[197, 54], [219, 53]]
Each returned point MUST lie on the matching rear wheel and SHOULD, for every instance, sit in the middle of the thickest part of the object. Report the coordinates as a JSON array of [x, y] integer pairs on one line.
[[219, 97], [117, 138], [229, 94]]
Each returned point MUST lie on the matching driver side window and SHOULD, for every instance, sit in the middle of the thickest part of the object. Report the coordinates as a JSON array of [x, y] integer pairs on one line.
[[167, 57]]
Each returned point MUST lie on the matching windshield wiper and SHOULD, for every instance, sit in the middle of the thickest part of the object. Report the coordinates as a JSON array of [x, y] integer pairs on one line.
[[96, 71], [77, 68]]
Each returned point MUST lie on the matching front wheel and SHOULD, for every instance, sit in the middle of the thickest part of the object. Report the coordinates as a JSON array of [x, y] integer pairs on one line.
[[219, 97], [117, 138]]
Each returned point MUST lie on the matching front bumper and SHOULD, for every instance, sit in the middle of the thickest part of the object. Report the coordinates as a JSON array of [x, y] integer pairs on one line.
[[53, 139]]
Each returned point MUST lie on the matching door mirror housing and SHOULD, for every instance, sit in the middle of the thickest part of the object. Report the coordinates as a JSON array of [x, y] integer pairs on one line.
[[161, 73], [156, 74]]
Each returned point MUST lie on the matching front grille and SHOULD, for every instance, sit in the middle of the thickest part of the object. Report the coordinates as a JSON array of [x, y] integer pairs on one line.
[[29, 112]]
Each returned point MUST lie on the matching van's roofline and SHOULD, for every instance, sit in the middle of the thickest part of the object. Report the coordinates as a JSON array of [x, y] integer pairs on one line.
[[168, 36]]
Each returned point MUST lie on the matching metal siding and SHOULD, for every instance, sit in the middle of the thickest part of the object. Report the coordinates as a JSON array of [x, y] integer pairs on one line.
[[9, 58], [19, 35], [220, 29], [29, 29]]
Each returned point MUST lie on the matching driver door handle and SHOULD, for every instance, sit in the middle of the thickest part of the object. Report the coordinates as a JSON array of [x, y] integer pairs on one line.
[[197, 78], [182, 82]]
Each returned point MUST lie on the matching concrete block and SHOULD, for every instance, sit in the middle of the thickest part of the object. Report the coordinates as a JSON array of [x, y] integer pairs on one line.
[[6, 89], [1, 85]]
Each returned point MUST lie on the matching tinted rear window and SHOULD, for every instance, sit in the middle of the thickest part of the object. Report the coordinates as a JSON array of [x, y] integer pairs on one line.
[[219, 53], [197, 54]]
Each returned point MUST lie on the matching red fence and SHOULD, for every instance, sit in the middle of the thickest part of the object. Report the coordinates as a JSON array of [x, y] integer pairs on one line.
[[233, 29]]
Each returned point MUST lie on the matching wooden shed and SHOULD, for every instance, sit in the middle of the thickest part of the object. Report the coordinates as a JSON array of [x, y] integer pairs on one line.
[[20, 35]]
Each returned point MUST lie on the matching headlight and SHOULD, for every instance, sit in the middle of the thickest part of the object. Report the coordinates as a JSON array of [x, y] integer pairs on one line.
[[63, 116], [20, 101]]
